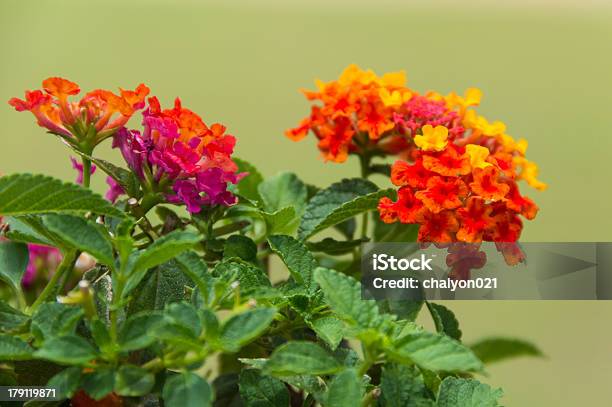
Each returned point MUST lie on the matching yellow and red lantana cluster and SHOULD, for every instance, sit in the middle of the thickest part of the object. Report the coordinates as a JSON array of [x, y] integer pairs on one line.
[[457, 173]]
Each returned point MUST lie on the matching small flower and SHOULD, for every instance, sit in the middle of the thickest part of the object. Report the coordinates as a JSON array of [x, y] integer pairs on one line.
[[478, 155], [432, 139], [475, 218], [438, 227], [407, 208], [451, 162], [487, 185], [443, 194], [43, 260]]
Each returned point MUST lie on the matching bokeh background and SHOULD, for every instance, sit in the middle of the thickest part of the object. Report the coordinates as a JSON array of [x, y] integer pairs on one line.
[[545, 68]]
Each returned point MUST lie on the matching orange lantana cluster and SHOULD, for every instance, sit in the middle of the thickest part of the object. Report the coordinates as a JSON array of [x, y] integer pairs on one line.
[[356, 113], [457, 173]]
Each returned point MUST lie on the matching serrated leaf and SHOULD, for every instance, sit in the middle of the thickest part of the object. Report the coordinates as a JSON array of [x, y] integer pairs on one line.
[[133, 381], [10, 318], [101, 335], [300, 263], [330, 329], [249, 276], [14, 259], [160, 286], [26, 194], [99, 383], [345, 389], [21, 231], [298, 358], [284, 220], [435, 352], [69, 349], [343, 294], [136, 333], [192, 265], [491, 350], [184, 315], [283, 190], [455, 392], [335, 247], [162, 250], [81, 234], [187, 389], [401, 385], [258, 390], [248, 185], [445, 320], [243, 328], [241, 247], [54, 319], [338, 203], [66, 382], [14, 348]]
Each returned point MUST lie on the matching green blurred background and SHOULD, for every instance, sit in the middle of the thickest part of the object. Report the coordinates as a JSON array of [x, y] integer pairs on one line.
[[545, 69]]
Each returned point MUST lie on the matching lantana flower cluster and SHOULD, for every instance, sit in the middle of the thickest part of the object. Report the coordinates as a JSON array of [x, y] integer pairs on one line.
[[176, 156], [457, 172], [96, 116]]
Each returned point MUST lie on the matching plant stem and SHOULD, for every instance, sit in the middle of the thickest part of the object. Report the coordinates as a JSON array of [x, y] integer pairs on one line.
[[86, 171], [364, 160], [65, 266]]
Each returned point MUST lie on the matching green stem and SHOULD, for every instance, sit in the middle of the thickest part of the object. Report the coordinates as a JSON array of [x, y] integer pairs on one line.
[[117, 293], [364, 160], [65, 266], [86, 171]]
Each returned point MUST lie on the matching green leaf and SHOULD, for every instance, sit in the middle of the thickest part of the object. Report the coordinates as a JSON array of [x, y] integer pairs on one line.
[[136, 333], [284, 220], [401, 386], [249, 276], [335, 247], [127, 179], [13, 348], [455, 392], [283, 190], [258, 390], [329, 328], [184, 315], [248, 185], [26, 194], [394, 232], [133, 381], [338, 203], [69, 350], [343, 294], [298, 357], [435, 352], [66, 382], [101, 336], [21, 231], [345, 389], [300, 263], [160, 286], [99, 383], [10, 318], [14, 259], [53, 319], [445, 320], [162, 250], [80, 234], [405, 309], [192, 265], [243, 328], [187, 390], [241, 247], [491, 350]]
